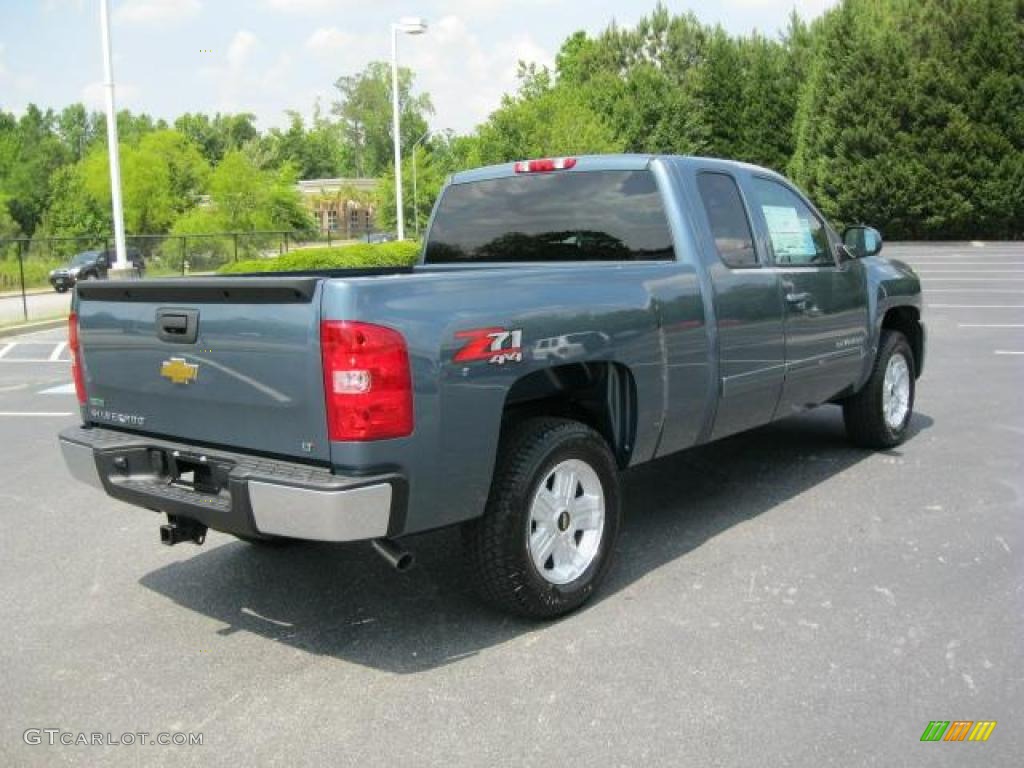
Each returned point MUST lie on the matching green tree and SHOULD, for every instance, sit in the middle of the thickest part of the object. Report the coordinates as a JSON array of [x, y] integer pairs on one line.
[[217, 135], [317, 152], [30, 152], [244, 198], [544, 119], [8, 226], [431, 170], [364, 112], [162, 177], [79, 130], [911, 117]]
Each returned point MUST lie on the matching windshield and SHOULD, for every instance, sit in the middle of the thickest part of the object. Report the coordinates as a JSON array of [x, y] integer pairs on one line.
[[581, 216], [83, 258]]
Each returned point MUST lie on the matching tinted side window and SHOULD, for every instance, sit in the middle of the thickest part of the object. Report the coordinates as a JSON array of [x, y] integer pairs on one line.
[[560, 216], [727, 218], [798, 237]]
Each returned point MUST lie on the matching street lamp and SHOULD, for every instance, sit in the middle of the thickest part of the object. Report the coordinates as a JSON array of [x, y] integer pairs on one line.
[[409, 25], [120, 267]]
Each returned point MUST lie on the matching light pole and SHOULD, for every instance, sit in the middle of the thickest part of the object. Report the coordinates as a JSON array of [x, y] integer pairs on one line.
[[121, 266], [415, 197], [409, 25]]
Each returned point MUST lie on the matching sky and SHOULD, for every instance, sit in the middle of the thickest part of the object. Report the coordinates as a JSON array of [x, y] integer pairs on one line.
[[269, 56]]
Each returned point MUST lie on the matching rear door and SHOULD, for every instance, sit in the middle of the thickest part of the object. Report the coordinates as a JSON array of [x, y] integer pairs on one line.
[[231, 362], [748, 309], [825, 301]]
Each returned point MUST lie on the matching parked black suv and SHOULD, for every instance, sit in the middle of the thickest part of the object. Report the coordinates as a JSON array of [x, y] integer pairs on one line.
[[91, 265]]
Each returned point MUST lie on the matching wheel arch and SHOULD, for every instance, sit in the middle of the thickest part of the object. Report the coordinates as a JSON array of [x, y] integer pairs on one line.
[[907, 320], [600, 394]]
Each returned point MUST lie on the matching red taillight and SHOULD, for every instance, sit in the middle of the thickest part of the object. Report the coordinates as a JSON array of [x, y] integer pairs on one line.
[[367, 381], [545, 165], [76, 358]]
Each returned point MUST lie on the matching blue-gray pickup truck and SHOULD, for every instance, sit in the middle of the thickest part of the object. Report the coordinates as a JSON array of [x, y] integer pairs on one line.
[[569, 318]]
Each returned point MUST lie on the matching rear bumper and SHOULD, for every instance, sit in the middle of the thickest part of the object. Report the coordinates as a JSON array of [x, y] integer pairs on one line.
[[236, 493]]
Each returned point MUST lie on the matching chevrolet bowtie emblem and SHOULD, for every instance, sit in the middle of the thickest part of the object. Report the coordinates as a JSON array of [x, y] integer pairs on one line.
[[178, 371]]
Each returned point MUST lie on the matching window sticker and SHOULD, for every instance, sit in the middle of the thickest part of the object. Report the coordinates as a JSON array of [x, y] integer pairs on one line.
[[791, 235]]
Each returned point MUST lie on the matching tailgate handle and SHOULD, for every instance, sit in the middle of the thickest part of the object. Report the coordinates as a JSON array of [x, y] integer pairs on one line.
[[178, 326]]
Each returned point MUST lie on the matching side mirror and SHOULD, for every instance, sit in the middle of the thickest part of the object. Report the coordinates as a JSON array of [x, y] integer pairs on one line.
[[862, 241]]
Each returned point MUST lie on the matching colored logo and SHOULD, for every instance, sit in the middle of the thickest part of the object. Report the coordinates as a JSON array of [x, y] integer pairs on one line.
[[178, 371], [495, 345], [958, 730]]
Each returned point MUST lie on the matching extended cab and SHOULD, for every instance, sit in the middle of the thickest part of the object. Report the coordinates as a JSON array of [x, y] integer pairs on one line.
[[569, 318]]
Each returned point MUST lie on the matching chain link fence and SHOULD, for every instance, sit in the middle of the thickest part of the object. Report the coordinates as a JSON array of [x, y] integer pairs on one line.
[[36, 274]]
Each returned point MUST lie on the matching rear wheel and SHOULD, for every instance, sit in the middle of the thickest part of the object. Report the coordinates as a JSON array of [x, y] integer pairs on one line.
[[545, 540], [879, 415]]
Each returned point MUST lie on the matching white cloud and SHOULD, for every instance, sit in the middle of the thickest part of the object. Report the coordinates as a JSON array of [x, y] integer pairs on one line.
[[157, 11], [242, 45], [464, 76], [329, 40], [11, 80]]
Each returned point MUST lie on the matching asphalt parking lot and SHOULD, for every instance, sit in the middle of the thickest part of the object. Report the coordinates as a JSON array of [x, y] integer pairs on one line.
[[779, 598]]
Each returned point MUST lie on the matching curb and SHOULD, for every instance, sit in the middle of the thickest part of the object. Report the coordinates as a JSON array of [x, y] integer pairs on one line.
[[28, 292], [42, 325]]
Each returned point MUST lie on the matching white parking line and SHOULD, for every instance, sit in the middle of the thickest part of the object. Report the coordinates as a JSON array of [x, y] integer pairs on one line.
[[975, 306], [36, 413], [35, 360], [976, 290], [63, 389], [1009, 352], [53, 357], [975, 280], [990, 325]]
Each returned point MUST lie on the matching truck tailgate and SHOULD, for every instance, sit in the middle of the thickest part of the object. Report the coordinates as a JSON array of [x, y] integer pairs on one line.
[[226, 361]]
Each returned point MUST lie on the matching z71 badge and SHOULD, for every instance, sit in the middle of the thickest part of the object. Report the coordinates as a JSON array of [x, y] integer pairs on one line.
[[495, 345]]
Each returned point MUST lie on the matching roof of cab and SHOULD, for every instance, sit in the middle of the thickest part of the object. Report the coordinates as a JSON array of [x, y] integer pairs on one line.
[[619, 162]]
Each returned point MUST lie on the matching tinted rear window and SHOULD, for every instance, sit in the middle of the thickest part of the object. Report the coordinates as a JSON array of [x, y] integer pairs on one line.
[[578, 216]]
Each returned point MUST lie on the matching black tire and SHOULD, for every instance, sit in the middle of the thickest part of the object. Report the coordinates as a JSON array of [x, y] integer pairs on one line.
[[497, 544], [863, 413], [62, 289]]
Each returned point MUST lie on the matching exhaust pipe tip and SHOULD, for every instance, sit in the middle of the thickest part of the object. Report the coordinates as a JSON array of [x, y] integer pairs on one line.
[[397, 556]]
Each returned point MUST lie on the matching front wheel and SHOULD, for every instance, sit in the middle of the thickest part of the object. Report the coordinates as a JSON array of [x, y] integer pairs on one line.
[[546, 538], [879, 415]]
